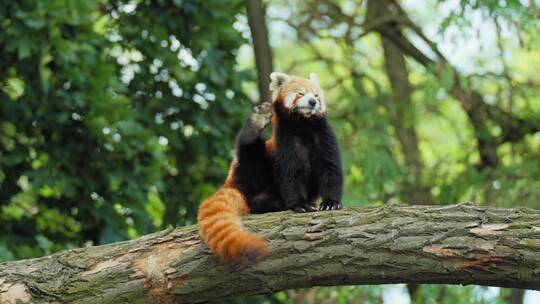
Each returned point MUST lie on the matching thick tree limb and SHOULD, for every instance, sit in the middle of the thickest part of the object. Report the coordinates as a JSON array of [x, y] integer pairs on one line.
[[458, 244]]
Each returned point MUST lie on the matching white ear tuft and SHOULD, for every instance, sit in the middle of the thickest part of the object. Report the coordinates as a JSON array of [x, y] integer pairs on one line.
[[313, 77], [277, 80]]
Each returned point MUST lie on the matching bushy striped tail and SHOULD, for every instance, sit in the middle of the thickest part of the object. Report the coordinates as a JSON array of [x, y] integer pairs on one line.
[[220, 226]]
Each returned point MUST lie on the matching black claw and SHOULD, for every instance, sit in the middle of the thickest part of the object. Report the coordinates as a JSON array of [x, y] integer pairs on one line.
[[299, 210], [330, 205], [305, 208]]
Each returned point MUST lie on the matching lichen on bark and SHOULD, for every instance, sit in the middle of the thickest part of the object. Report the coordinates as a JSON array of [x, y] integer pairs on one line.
[[457, 244]]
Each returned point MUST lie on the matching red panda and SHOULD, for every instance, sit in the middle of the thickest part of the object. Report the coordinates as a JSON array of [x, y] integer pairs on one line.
[[290, 171]]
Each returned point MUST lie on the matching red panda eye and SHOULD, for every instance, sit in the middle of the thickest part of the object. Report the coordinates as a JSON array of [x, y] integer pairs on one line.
[[300, 94]]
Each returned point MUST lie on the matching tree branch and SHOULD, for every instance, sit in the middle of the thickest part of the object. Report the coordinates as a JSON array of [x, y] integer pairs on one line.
[[457, 244], [261, 46], [401, 113], [513, 128]]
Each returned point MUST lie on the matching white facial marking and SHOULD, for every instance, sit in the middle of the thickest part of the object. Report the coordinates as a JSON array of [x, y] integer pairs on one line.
[[289, 100], [305, 105], [323, 103]]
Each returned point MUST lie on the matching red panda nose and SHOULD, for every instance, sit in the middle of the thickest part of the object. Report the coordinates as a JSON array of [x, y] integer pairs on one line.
[[312, 102]]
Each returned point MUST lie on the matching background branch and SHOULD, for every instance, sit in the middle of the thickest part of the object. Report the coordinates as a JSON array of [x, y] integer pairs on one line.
[[479, 112], [261, 46]]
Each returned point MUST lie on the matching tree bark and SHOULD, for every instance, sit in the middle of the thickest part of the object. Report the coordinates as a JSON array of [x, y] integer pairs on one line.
[[261, 46], [457, 244], [401, 113]]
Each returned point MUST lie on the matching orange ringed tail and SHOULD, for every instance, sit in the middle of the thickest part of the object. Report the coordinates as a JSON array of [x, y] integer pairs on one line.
[[220, 226]]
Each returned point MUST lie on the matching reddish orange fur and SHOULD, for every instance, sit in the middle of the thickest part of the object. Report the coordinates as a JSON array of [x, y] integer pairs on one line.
[[219, 219], [270, 144], [221, 228]]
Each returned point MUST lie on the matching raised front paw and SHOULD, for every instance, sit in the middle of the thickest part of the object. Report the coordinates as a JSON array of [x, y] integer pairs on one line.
[[261, 115], [330, 205], [305, 207]]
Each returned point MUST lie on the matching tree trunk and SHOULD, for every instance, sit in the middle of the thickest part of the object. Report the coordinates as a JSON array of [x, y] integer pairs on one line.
[[401, 112], [261, 46], [481, 115], [515, 296], [458, 244]]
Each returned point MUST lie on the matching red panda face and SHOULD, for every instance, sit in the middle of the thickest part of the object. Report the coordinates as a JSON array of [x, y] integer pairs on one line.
[[298, 95]]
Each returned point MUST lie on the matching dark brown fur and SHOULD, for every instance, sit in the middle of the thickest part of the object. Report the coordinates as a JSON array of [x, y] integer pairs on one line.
[[298, 164]]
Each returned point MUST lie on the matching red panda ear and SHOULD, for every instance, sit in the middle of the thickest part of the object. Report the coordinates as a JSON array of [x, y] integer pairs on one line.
[[313, 77], [278, 80]]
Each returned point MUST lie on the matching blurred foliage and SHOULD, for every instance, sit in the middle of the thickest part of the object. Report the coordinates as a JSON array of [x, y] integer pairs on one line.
[[117, 117], [329, 38], [493, 44]]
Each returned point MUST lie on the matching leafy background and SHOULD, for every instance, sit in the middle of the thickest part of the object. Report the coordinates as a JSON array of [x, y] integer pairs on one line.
[[117, 117]]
